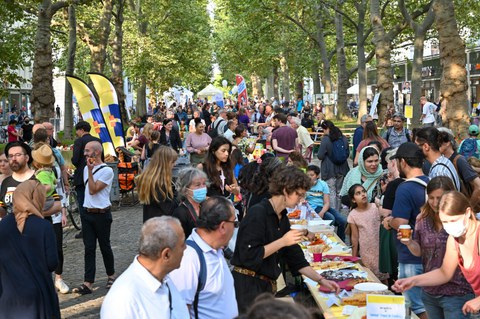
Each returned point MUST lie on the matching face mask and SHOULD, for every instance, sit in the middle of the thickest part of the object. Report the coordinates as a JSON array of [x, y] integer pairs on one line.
[[199, 195], [456, 229]]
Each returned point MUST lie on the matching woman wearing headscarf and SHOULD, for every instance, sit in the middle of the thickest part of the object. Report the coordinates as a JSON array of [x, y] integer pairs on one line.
[[368, 173], [28, 255]]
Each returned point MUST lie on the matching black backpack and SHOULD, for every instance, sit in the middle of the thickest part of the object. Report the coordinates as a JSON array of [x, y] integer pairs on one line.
[[214, 129]]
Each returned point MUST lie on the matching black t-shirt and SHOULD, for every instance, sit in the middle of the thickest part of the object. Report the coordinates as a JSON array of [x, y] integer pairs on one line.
[[27, 132], [389, 195], [9, 185], [187, 216]]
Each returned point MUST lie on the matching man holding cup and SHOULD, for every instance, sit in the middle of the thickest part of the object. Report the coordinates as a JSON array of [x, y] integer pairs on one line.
[[409, 198]]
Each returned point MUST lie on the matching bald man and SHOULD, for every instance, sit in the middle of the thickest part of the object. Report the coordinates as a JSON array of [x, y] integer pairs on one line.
[[49, 127], [97, 217]]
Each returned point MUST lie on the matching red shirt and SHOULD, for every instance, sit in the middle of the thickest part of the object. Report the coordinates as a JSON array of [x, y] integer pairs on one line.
[[11, 137], [472, 275]]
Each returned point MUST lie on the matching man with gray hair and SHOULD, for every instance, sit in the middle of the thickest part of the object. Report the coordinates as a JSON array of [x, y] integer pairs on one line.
[[304, 138], [220, 122], [397, 135], [204, 279], [144, 290], [358, 134]]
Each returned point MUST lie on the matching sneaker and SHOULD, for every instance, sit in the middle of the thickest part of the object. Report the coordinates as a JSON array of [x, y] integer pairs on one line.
[[62, 286]]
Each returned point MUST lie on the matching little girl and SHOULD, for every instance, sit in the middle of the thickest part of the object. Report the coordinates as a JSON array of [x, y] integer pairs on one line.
[[150, 148], [364, 222]]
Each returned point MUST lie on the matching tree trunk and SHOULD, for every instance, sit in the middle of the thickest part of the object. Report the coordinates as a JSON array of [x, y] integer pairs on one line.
[[141, 107], [117, 59], [361, 60], [275, 82], [322, 46], [299, 89], [315, 74], [343, 83], [416, 85], [285, 79], [453, 84], [72, 47], [42, 98], [256, 86], [383, 49]]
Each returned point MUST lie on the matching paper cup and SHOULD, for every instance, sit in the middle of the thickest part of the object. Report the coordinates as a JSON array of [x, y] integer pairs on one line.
[[406, 232], [298, 227], [317, 257]]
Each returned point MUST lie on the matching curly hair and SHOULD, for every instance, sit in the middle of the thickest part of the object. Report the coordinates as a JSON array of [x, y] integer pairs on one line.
[[263, 175], [289, 179]]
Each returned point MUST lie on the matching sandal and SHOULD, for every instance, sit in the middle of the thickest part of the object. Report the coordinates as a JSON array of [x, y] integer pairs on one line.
[[110, 282], [82, 290]]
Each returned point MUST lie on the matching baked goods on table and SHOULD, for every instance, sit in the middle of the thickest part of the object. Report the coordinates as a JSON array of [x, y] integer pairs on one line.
[[331, 265], [359, 300]]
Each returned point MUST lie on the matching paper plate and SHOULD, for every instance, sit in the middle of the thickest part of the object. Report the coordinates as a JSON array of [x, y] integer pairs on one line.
[[370, 286]]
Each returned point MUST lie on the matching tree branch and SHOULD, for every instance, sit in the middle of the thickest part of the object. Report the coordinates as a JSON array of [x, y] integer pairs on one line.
[[354, 24]]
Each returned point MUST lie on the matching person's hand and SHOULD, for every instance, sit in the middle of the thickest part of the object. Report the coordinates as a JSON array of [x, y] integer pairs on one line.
[[386, 222], [471, 306], [404, 241], [293, 237], [310, 236], [90, 162], [330, 285], [404, 284]]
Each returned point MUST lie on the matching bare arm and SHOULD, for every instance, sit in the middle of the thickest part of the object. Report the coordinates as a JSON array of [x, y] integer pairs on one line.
[[354, 238], [326, 205], [278, 148]]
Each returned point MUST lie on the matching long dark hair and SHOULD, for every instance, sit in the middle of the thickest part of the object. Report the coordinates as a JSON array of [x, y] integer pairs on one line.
[[211, 162], [440, 182], [370, 131], [334, 132]]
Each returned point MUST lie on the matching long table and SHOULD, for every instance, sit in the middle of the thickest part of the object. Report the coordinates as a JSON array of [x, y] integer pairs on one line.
[[335, 312]]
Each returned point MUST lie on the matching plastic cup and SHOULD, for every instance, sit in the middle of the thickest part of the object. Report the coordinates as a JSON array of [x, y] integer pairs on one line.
[[298, 227], [406, 232], [317, 257]]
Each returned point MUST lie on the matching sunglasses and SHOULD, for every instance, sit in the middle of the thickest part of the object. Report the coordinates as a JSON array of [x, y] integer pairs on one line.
[[236, 223]]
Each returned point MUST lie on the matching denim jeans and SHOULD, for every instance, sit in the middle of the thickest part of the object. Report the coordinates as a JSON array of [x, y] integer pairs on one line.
[[96, 226], [445, 307], [414, 294], [338, 220]]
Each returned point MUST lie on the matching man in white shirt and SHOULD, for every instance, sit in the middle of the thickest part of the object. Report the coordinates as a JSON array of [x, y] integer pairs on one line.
[[215, 228], [304, 138], [220, 122], [232, 125], [97, 220], [428, 112], [144, 290]]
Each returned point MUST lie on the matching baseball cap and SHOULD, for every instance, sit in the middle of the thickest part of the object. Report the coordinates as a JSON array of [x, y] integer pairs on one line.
[[408, 150], [473, 129]]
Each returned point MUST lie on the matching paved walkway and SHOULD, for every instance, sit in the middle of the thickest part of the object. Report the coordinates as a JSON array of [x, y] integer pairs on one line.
[[127, 222]]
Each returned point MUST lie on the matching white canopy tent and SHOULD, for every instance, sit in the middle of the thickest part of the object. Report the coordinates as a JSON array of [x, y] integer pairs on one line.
[[355, 89], [209, 90]]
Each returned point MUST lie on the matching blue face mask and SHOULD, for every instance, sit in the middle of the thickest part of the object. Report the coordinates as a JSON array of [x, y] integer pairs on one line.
[[199, 195]]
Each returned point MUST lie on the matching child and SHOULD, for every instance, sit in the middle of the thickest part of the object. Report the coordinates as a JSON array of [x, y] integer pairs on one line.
[[43, 161], [237, 161], [295, 158], [364, 222], [318, 197]]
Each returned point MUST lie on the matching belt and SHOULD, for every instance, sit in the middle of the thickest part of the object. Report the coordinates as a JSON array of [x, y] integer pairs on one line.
[[98, 210], [251, 273]]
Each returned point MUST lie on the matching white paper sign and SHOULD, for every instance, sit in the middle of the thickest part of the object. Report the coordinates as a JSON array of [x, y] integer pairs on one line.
[[385, 307], [373, 108]]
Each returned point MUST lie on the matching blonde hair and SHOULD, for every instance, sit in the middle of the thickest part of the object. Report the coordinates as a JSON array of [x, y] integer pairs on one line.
[[147, 130], [157, 177]]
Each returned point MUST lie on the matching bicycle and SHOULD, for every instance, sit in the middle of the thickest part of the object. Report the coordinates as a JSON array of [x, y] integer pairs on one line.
[[72, 209]]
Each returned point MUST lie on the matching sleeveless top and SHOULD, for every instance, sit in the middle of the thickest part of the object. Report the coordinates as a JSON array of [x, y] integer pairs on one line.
[[472, 274]]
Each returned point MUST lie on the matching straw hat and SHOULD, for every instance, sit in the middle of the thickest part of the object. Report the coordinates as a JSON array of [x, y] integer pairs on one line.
[[43, 155]]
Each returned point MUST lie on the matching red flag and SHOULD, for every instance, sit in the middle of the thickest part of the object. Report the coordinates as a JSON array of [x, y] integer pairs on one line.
[[242, 90]]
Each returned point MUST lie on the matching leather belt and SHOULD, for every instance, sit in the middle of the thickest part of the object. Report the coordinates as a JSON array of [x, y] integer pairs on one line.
[[251, 273], [98, 210]]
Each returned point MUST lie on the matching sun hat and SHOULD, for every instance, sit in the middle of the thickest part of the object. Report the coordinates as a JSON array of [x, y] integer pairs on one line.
[[43, 155]]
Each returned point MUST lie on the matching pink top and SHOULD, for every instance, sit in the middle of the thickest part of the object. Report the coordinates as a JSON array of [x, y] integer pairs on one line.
[[472, 274], [195, 141], [364, 143]]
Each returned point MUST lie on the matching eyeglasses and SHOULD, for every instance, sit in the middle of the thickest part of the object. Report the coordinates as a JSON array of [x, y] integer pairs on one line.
[[12, 156], [235, 223]]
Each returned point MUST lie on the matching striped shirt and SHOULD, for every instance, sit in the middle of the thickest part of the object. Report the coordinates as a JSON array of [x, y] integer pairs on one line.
[[442, 166]]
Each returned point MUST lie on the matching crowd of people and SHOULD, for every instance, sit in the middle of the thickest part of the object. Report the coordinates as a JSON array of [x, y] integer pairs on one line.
[[216, 236]]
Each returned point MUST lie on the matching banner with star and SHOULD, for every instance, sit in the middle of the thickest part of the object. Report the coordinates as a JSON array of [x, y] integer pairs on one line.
[[110, 107], [91, 113]]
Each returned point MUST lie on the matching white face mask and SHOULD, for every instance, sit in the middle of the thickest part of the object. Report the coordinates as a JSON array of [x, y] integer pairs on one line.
[[456, 229]]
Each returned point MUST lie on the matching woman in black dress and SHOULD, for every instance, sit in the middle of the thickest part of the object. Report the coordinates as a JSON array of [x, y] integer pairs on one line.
[[264, 237], [154, 186], [219, 169], [169, 136]]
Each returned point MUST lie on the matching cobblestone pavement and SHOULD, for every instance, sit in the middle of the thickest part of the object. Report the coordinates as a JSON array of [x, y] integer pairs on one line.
[[127, 222]]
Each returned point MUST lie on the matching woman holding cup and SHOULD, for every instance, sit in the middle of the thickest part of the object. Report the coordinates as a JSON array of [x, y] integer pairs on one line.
[[447, 291], [265, 235]]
